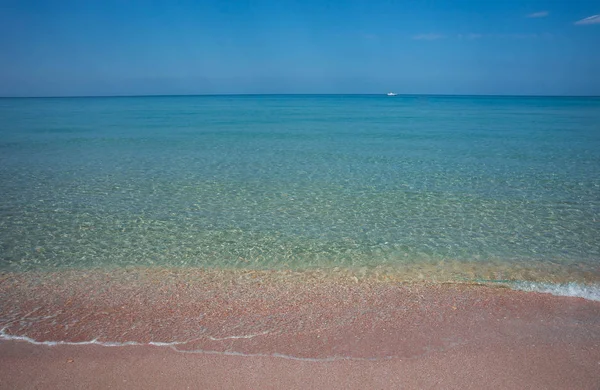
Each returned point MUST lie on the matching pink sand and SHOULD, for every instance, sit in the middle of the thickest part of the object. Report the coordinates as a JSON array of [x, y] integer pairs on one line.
[[249, 329]]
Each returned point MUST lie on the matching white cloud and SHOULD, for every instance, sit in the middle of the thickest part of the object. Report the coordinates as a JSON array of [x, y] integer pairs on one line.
[[428, 37], [541, 14], [473, 36], [470, 36], [594, 19], [516, 36]]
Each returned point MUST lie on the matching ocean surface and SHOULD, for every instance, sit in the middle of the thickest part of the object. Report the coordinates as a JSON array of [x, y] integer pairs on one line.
[[430, 187]]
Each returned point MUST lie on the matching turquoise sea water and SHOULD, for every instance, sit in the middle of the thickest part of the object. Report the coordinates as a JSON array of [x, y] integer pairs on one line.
[[471, 187]]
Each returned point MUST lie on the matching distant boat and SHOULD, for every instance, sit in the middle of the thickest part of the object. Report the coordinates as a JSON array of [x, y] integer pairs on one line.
[[391, 94]]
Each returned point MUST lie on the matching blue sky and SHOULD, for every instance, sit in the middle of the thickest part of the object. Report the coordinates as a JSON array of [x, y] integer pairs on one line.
[[125, 47]]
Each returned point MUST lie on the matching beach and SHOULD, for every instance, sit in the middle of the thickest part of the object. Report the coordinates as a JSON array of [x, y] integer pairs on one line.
[[300, 195], [173, 328], [500, 367], [300, 241]]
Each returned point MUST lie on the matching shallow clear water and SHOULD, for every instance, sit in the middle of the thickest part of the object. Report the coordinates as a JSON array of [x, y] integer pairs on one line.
[[463, 184]]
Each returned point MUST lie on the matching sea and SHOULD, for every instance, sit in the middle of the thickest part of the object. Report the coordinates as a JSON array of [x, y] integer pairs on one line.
[[436, 188]]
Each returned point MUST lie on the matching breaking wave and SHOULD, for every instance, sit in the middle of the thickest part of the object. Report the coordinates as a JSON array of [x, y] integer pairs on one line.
[[587, 291]]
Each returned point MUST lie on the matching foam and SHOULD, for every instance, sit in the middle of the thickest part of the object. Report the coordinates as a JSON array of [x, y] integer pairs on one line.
[[173, 345], [9, 337], [586, 291]]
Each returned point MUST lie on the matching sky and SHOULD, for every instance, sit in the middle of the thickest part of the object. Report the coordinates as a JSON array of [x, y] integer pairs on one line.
[[126, 47]]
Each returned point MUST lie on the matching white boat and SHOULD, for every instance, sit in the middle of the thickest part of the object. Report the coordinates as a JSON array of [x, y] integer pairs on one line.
[[391, 94]]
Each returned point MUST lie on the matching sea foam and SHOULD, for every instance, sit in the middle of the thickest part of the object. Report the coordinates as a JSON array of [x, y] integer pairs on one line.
[[587, 291]]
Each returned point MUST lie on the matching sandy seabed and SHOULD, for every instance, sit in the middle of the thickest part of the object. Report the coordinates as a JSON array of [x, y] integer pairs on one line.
[[195, 328]]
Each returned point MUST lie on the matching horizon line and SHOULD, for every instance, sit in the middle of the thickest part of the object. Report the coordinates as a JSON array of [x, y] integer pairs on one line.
[[290, 94]]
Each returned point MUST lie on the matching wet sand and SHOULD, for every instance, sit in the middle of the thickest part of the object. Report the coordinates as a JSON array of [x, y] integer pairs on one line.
[[259, 329], [492, 366]]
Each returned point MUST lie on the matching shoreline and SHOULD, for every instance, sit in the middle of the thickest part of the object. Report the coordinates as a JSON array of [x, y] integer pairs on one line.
[[253, 311], [503, 366], [221, 328], [584, 285]]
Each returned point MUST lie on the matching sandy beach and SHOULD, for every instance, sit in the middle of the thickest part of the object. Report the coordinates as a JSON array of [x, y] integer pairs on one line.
[[251, 329], [498, 366]]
